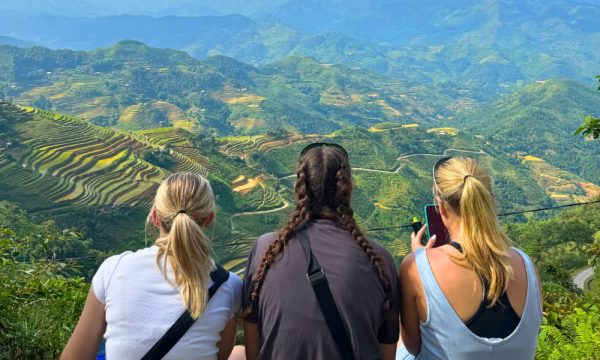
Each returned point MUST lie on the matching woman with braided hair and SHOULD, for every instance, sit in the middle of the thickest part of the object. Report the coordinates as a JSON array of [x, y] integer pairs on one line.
[[284, 319]]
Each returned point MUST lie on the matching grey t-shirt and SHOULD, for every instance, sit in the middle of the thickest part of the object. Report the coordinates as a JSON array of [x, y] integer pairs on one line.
[[290, 321]]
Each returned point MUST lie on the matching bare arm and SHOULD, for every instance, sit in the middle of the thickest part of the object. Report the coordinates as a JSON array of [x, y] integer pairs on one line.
[[251, 340], [539, 281], [227, 341], [388, 351], [409, 279], [88, 333], [410, 331]]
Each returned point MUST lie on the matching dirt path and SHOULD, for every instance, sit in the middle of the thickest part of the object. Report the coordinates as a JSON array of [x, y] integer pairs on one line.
[[261, 212]]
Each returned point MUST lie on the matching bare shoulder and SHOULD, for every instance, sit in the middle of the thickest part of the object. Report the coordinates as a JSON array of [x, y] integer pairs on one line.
[[517, 263], [520, 271], [408, 267]]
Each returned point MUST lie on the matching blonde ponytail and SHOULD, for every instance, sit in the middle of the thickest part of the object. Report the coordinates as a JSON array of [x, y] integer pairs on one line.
[[183, 203], [464, 186]]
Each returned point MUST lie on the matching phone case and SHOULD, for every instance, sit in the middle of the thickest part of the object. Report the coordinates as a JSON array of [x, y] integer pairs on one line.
[[427, 219]]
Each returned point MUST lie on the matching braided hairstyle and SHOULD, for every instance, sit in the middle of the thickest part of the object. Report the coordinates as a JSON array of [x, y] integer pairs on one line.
[[323, 189]]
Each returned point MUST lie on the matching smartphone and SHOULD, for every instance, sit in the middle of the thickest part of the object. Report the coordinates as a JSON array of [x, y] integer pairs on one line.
[[435, 226]]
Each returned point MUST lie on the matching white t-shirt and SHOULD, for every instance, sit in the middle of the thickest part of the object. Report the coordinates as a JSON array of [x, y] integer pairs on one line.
[[141, 306]]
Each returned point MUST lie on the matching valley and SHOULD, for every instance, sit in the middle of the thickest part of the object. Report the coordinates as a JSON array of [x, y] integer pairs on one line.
[[102, 100]]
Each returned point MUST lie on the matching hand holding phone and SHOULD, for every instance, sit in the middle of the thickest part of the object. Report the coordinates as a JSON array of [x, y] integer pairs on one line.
[[417, 235], [435, 227]]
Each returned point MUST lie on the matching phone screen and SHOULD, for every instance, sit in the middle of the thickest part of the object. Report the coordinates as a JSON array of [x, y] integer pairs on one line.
[[435, 226]]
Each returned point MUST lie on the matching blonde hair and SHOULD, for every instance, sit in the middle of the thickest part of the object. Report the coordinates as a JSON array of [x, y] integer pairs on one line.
[[183, 202], [462, 184]]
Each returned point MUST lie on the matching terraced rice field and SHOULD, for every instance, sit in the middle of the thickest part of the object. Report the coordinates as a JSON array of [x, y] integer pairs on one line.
[[444, 131], [387, 108], [382, 127], [560, 185], [235, 246], [336, 97], [249, 100], [175, 115], [247, 123], [128, 115], [399, 248], [162, 136], [241, 145], [89, 165]]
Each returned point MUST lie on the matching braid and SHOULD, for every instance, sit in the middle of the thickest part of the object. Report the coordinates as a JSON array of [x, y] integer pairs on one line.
[[345, 216], [299, 216]]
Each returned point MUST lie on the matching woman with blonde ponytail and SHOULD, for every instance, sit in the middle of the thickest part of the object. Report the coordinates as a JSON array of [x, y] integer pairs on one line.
[[476, 297], [136, 297]]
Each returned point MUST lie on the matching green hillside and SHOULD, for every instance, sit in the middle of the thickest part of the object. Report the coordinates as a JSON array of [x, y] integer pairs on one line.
[[540, 120], [132, 86], [54, 165], [468, 47]]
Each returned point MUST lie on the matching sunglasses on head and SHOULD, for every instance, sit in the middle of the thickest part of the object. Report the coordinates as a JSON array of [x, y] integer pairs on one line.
[[323, 144]]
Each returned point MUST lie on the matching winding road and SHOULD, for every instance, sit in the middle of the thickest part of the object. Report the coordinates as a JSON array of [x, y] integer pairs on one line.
[[581, 278], [395, 171], [260, 212]]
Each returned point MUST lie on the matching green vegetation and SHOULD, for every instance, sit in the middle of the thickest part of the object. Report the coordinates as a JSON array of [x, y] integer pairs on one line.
[[560, 246], [540, 120], [591, 127], [43, 290], [132, 86], [140, 114]]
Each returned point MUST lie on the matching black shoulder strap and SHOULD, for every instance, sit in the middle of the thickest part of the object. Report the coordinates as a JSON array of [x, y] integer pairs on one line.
[[318, 280], [185, 321]]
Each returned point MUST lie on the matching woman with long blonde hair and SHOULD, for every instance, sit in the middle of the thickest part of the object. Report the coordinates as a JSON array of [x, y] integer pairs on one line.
[[476, 297], [136, 298]]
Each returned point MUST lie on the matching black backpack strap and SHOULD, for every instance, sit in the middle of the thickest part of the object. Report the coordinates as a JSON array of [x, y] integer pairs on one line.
[[185, 321], [318, 280]]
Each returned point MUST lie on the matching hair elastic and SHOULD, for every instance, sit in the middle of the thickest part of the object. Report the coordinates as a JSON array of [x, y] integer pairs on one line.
[[465, 178], [181, 212]]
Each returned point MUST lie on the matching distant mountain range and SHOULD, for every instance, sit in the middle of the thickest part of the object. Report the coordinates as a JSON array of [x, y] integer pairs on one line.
[[484, 48], [119, 86], [134, 87], [7, 40], [92, 132]]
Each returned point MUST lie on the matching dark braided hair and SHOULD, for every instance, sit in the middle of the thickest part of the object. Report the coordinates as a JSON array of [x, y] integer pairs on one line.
[[323, 189]]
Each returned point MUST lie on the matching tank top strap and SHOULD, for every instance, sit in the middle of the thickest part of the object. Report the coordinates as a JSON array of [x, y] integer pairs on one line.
[[434, 296], [532, 304]]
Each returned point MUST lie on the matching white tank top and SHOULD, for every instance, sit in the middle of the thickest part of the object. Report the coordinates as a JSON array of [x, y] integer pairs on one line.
[[141, 306]]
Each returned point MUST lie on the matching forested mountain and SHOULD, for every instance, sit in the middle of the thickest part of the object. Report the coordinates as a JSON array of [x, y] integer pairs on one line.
[[56, 7], [54, 165], [466, 45], [7, 40], [133, 86], [122, 93], [540, 119]]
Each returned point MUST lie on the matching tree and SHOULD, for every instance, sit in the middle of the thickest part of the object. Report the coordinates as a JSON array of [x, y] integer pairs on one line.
[[591, 125], [42, 102]]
